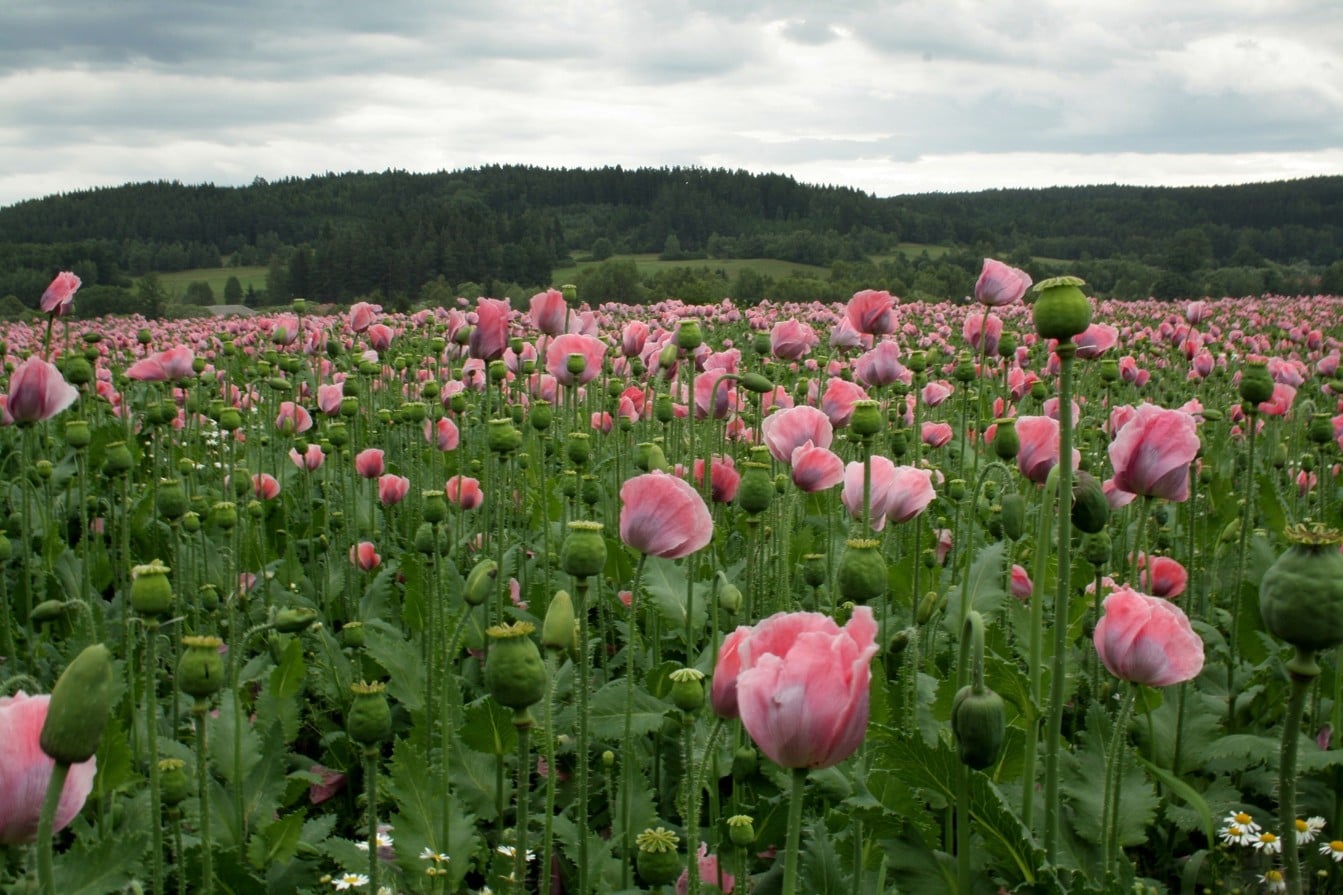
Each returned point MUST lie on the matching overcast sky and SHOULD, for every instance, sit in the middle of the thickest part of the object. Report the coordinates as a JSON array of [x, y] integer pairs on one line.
[[890, 96]]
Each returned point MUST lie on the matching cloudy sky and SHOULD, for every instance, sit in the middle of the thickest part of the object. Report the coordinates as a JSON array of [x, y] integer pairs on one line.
[[890, 96]]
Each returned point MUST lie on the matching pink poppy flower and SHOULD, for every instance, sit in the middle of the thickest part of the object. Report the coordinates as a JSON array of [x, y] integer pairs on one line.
[[881, 366], [59, 297], [815, 468], [1039, 451], [1000, 284], [37, 392], [329, 398], [25, 771], [489, 337], [1162, 576], [792, 340], [464, 492], [1022, 586], [265, 486], [802, 685], [979, 328], [708, 868], [310, 459], [380, 337], [661, 515], [1152, 452], [591, 349], [292, 419], [937, 435], [442, 433], [549, 312], [363, 315], [937, 392], [838, 400], [724, 478], [163, 366], [898, 493], [368, 463], [365, 556], [871, 311], [786, 430], [1147, 640], [1096, 340], [392, 489], [633, 338]]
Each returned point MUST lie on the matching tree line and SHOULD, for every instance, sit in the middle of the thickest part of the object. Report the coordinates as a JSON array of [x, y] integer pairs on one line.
[[404, 238]]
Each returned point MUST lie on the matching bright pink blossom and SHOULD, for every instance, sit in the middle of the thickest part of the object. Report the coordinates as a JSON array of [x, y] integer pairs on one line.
[[310, 459], [442, 433], [489, 337], [802, 685], [786, 430], [549, 312], [815, 468], [59, 297], [1039, 452], [163, 366], [709, 870], [792, 339], [881, 366], [1162, 576], [898, 493], [363, 315], [368, 463], [937, 434], [329, 398], [1096, 340], [838, 400], [661, 515], [464, 492], [365, 556], [292, 418], [1000, 284], [591, 349], [25, 771], [392, 489], [1152, 452], [871, 311], [37, 392], [1147, 640], [724, 478]]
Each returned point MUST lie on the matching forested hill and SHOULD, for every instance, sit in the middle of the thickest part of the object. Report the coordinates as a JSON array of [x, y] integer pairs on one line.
[[337, 236]]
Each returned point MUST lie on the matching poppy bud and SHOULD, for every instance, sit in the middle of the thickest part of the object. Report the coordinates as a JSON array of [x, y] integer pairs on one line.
[[1014, 515], [295, 620], [754, 382], [978, 720], [80, 703], [370, 718], [480, 582], [557, 631]]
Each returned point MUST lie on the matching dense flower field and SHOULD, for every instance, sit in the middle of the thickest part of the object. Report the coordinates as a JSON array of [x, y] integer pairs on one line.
[[549, 598]]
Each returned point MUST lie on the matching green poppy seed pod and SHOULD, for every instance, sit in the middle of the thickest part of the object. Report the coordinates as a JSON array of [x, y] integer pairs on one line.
[[1109, 369], [1039, 391], [1321, 430], [174, 785], [540, 415], [760, 343], [200, 670], [576, 363], [255, 510], [1301, 594], [1096, 548], [688, 335], [501, 436], [281, 385], [956, 489], [80, 703], [349, 405], [964, 371], [590, 489], [866, 420], [434, 506], [741, 830], [426, 540], [458, 403], [515, 344], [899, 443], [224, 514], [78, 434], [1006, 441], [667, 356], [77, 370], [1308, 462], [557, 630], [171, 499], [144, 336], [117, 459], [569, 483], [1090, 511], [578, 448], [415, 411], [497, 370], [295, 619], [338, 434], [663, 411], [862, 571], [44, 469], [1256, 385], [570, 293], [754, 382], [1280, 455], [745, 762], [1014, 515], [230, 419], [687, 691], [917, 361], [648, 456], [657, 860], [583, 553], [1061, 310], [514, 672], [1007, 345], [756, 490], [978, 720], [369, 721], [813, 569], [430, 390], [151, 592], [46, 611], [480, 582], [353, 635]]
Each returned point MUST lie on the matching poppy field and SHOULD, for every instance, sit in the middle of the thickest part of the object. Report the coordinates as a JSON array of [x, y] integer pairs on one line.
[[533, 596]]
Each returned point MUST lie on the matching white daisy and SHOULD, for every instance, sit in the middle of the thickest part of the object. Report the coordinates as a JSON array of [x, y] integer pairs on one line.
[[1333, 850], [1309, 829], [1274, 881], [1243, 820], [384, 841], [1268, 843], [1236, 835], [349, 881], [436, 856]]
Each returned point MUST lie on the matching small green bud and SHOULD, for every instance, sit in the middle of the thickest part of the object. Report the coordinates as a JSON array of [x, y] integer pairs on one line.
[[295, 619], [47, 611], [557, 630], [754, 382], [80, 703], [480, 582]]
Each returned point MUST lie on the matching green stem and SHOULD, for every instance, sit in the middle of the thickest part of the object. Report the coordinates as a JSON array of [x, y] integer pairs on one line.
[[371, 794], [1035, 666], [1113, 775], [627, 738], [1303, 671], [44, 826], [152, 741], [200, 710], [1062, 598], [1246, 523], [794, 832], [523, 722], [582, 684]]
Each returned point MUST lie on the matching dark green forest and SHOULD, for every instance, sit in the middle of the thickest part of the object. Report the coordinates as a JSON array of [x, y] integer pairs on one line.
[[405, 239]]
